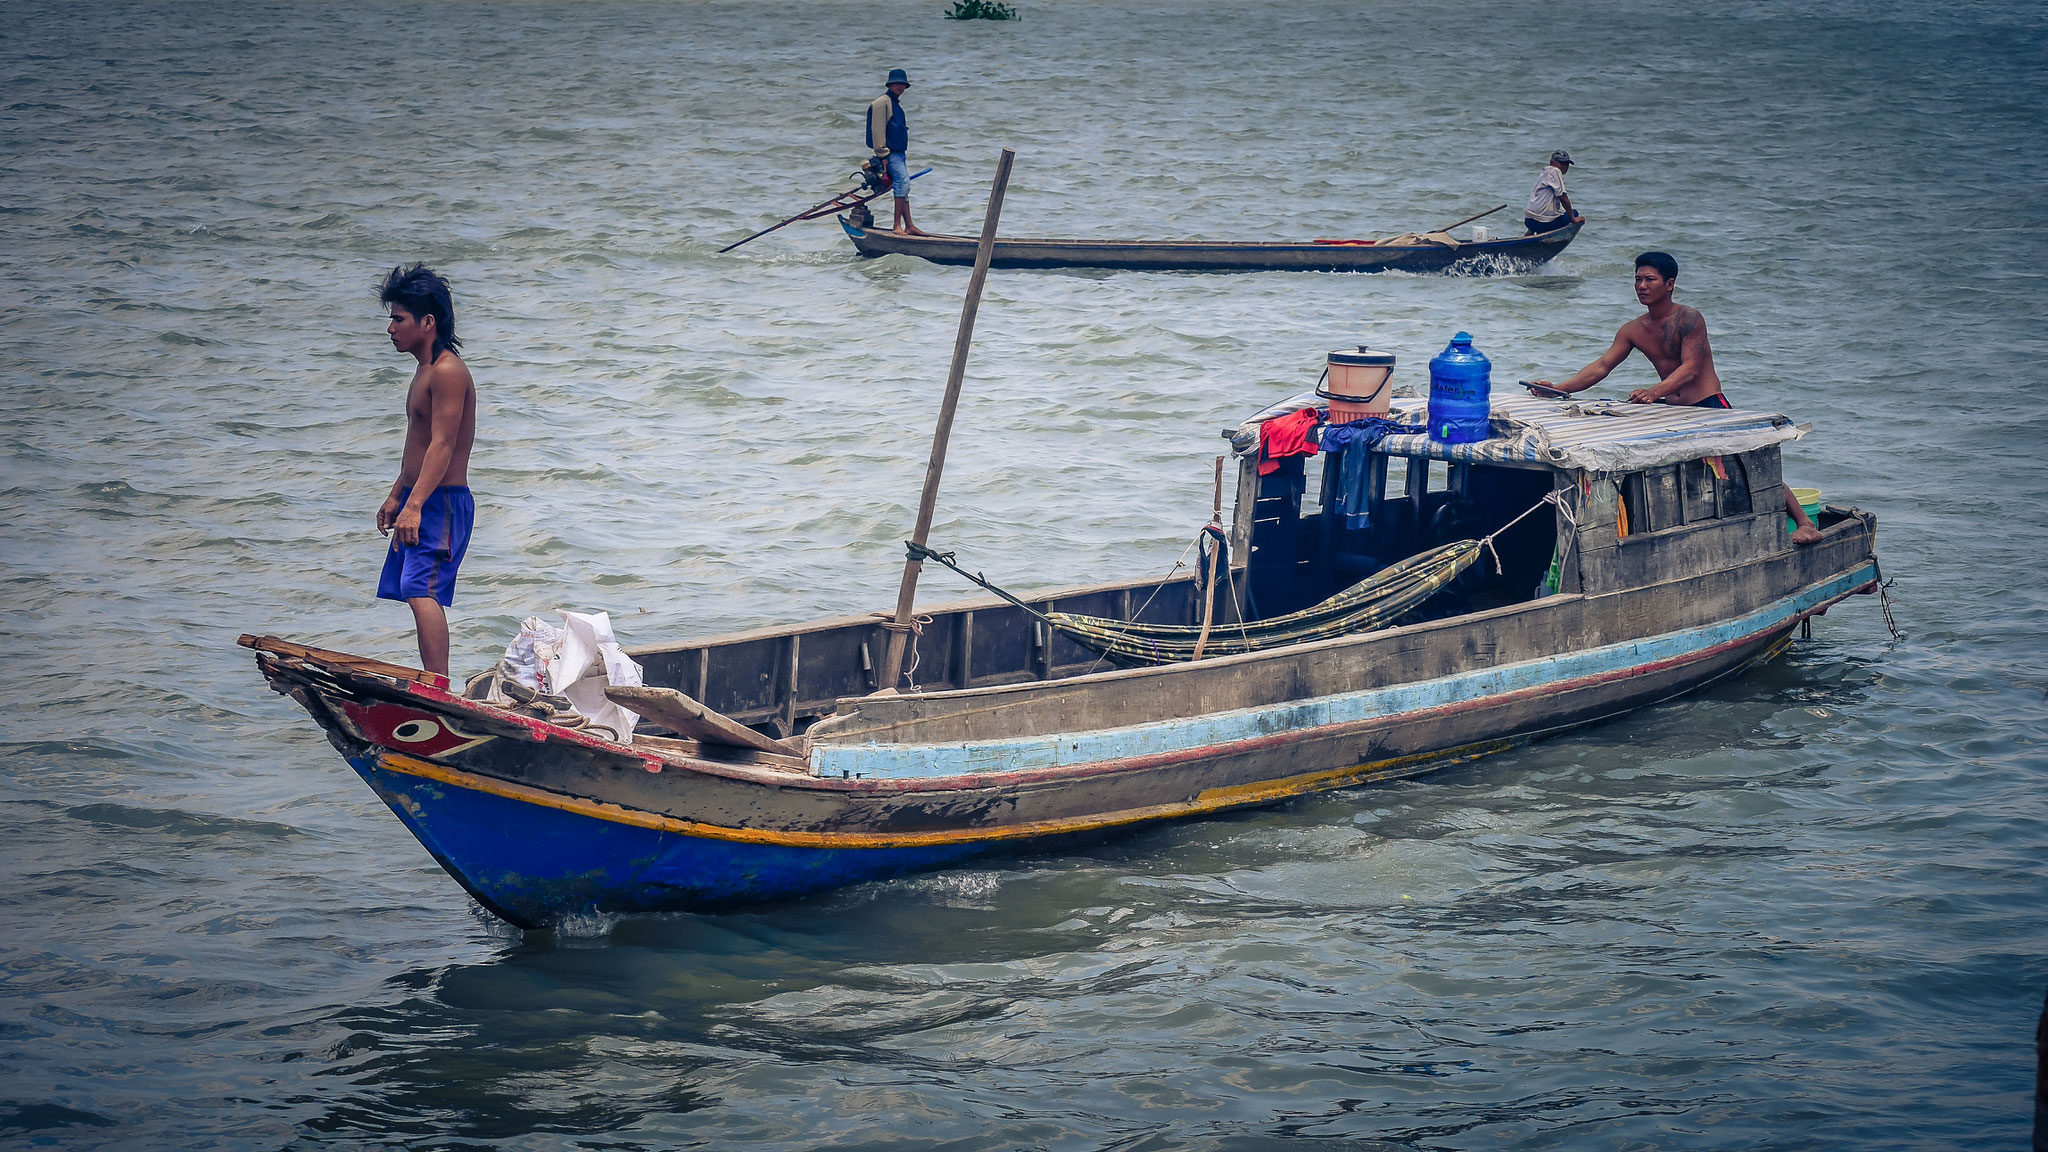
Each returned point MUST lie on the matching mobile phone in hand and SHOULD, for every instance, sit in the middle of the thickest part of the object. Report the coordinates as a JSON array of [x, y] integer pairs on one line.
[[1540, 390]]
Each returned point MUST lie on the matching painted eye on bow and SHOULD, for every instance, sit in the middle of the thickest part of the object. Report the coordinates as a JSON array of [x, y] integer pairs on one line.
[[416, 731]]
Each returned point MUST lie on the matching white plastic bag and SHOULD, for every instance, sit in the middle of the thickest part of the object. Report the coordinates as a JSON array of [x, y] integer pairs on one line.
[[523, 660], [587, 660], [577, 661]]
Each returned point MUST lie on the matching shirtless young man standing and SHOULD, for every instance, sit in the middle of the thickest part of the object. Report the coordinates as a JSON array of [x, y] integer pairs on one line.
[[1673, 337], [429, 511]]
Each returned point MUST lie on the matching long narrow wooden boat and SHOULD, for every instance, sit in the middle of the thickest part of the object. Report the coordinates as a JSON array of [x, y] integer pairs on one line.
[[771, 764], [1488, 257]]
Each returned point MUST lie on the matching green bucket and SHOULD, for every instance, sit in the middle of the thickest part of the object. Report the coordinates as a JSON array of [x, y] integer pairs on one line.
[[1809, 499]]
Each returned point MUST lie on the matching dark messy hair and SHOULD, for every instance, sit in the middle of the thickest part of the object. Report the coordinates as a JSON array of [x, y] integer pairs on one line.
[[1661, 261], [421, 291]]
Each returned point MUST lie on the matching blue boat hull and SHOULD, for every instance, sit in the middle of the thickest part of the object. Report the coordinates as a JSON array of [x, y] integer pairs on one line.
[[532, 864]]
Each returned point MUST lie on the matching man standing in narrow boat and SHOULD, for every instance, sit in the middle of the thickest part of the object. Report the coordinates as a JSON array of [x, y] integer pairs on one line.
[[429, 511], [1673, 338], [1550, 207], [889, 136]]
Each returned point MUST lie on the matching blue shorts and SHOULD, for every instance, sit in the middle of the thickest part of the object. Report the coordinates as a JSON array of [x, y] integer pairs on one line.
[[1538, 227], [899, 176], [428, 567], [1717, 400]]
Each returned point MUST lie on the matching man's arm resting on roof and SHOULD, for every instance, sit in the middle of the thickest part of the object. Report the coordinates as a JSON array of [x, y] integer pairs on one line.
[[1597, 371]]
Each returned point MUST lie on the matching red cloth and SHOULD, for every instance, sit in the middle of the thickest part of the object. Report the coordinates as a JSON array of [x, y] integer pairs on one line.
[[1287, 436]]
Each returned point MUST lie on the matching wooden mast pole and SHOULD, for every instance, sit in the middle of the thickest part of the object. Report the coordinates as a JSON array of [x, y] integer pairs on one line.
[[899, 628]]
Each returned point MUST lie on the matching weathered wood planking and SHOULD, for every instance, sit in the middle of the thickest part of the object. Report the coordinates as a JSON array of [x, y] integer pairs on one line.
[[1416, 652]]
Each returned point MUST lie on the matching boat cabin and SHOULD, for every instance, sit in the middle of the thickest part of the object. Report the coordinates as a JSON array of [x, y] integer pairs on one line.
[[1573, 497], [1642, 492]]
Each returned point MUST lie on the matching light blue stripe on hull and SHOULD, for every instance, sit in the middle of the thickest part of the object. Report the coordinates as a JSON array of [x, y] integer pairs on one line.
[[530, 863], [906, 761]]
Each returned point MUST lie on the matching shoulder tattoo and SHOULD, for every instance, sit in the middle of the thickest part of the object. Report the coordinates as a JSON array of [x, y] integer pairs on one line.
[[1680, 326]]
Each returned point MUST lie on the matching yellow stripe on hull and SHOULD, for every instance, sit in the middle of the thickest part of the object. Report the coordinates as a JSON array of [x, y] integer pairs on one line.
[[1209, 801]]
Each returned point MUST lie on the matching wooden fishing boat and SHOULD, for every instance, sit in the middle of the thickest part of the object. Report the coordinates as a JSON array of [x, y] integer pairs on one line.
[[1438, 254], [1632, 553]]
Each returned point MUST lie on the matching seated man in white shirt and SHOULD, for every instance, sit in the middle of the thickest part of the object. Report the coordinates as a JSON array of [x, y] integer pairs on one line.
[[1549, 207]]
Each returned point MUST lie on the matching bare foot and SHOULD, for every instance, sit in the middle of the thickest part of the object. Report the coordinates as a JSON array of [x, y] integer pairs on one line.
[[914, 230], [1806, 534]]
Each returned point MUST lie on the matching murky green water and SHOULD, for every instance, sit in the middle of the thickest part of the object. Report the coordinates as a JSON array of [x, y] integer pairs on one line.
[[1801, 910]]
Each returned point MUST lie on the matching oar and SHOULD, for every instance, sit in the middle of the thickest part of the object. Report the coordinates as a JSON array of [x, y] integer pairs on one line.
[[899, 628], [830, 206], [823, 207], [1469, 219]]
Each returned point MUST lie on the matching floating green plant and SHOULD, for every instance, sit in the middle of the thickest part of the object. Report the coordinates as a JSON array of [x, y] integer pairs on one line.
[[981, 10]]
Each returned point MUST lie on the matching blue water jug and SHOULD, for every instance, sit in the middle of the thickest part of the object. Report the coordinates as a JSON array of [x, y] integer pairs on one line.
[[1460, 392]]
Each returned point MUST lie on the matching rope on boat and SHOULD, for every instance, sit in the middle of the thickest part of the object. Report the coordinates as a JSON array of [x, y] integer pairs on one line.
[[1208, 584], [1373, 603], [1568, 511], [1179, 562], [1884, 600], [495, 687], [915, 628], [1486, 541], [919, 553]]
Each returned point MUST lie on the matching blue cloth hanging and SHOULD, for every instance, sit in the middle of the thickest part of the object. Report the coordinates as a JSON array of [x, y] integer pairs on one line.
[[1353, 443]]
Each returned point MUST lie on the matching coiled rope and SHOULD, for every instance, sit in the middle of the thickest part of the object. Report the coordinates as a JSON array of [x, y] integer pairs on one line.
[[496, 687]]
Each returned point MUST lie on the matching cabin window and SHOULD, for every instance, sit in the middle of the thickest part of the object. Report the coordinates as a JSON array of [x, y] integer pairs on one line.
[[1685, 493], [1430, 476]]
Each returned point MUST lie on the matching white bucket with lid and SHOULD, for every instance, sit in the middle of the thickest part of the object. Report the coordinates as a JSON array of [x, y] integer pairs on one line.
[[1359, 384]]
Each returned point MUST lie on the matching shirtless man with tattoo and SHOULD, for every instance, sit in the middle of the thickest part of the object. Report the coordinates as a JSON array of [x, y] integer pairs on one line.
[[1673, 338]]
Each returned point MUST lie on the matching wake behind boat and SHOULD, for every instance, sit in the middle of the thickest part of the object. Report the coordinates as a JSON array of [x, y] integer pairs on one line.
[[1429, 252]]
